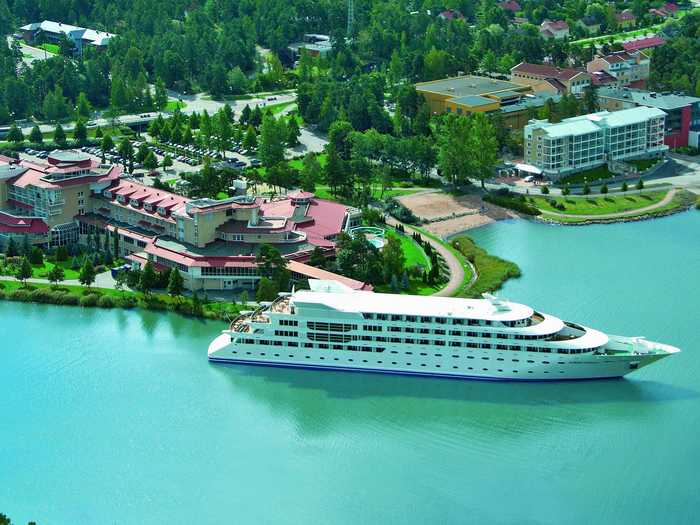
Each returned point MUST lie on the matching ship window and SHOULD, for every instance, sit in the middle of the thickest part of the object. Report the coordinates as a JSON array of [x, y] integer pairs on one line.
[[485, 358], [408, 364], [438, 355], [423, 353], [247, 353], [422, 364], [529, 371], [529, 361], [515, 371], [455, 356], [470, 368], [485, 369], [290, 355], [426, 319], [335, 359], [394, 352], [277, 355], [322, 357], [424, 342], [307, 357], [409, 353], [292, 343], [545, 362], [500, 370], [455, 367], [455, 332], [439, 343], [439, 332], [350, 360], [437, 366], [470, 357], [515, 360], [499, 359], [393, 362], [364, 360], [325, 347], [396, 318], [262, 353], [337, 347], [411, 318], [410, 341]]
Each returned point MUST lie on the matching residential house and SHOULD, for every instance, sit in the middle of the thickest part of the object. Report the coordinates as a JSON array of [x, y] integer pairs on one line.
[[625, 19], [630, 68], [640, 44], [451, 14], [54, 32], [557, 29], [551, 79], [511, 6], [589, 24]]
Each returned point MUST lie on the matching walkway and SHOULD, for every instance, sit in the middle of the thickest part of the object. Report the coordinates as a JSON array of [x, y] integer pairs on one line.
[[453, 264], [102, 280], [663, 202]]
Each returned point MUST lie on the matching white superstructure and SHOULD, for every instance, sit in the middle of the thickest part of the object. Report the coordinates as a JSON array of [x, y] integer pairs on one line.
[[332, 326]]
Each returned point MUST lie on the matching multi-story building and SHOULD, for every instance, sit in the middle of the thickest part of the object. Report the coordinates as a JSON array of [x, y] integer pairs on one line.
[[682, 111], [213, 243], [544, 78], [630, 68], [585, 142], [53, 32]]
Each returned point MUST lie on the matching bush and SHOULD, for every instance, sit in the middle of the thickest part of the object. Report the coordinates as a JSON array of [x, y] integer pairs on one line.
[[106, 301], [153, 302], [128, 301], [506, 199], [89, 300], [19, 295]]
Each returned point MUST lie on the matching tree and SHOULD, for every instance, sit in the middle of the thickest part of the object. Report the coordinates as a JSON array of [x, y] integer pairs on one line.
[[36, 136], [80, 133], [148, 278], [339, 136], [311, 172], [166, 162], [545, 190], [565, 190], [176, 283], [640, 184], [586, 189], [590, 100], [393, 258], [293, 132], [61, 254], [107, 144], [83, 109], [142, 152], [11, 249], [604, 189], [317, 258], [150, 162], [267, 290], [15, 134], [25, 270], [624, 186], [56, 275], [250, 141], [160, 98], [272, 141], [59, 135], [36, 256], [454, 153], [484, 147], [87, 273], [126, 152]]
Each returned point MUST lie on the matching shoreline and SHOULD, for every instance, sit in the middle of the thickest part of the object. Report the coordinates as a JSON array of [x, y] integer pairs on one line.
[[632, 218]]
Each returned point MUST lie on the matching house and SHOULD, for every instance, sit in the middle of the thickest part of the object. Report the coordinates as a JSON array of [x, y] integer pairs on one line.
[[682, 112], [668, 10], [54, 32], [585, 142], [603, 78], [630, 68], [589, 24], [551, 79], [511, 6], [557, 29], [451, 14], [213, 243], [625, 19], [640, 44]]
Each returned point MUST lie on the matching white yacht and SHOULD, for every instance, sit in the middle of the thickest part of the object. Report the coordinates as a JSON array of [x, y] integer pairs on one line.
[[332, 326]]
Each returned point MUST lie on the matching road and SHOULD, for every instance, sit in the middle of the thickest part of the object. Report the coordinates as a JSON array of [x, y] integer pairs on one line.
[[453, 264]]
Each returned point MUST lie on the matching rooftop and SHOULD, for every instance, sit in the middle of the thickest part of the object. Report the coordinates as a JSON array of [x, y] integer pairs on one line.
[[468, 85], [664, 100], [473, 101], [546, 71], [643, 43]]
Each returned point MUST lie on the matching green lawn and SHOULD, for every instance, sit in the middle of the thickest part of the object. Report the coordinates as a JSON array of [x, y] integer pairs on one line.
[[42, 272], [599, 173], [643, 164], [51, 48], [412, 251], [491, 271], [467, 269], [279, 107], [598, 204], [172, 105]]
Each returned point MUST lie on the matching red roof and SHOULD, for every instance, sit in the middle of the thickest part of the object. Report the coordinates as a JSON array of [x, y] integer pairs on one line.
[[625, 16], [670, 7], [643, 43], [451, 14], [13, 224], [602, 78], [510, 5], [555, 25], [545, 71]]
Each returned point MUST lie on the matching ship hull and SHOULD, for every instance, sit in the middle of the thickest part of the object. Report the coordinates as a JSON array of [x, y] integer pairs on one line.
[[475, 365]]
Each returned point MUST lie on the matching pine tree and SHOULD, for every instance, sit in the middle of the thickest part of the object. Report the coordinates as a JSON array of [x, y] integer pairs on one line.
[[59, 135], [15, 134], [87, 273], [11, 248], [56, 275], [35, 136], [25, 271], [176, 283], [80, 133], [148, 278]]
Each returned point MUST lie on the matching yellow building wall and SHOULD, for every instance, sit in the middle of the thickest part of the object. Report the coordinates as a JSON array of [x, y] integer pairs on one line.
[[435, 101], [466, 109]]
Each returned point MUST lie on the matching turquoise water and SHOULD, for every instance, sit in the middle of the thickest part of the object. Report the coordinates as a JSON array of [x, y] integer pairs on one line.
[[117, 417]]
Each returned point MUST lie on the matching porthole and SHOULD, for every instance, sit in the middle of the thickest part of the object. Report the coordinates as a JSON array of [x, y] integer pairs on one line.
[[438, 366], [408, 364], [499, 359], [529, 361], [455, 356], [455, 367], [335, 359], [393, 362], [235, 352], [470, 368], [485, 358], [290, 355], [422, 364], [247, 353], [485, 369], [277, 355], [515, 371], [262, 353], [350, 360], [500, 370], [529, 371], [308, 357]]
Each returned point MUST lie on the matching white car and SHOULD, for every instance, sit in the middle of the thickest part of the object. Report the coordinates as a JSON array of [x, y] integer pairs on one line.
[[529, 178]]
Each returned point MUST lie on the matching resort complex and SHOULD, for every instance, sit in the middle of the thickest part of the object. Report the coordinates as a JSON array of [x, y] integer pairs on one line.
[[213, 243], [587, 141]]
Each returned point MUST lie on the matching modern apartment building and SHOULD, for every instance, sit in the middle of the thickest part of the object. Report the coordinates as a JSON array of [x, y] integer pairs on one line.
[[585, 142], [213, 243]]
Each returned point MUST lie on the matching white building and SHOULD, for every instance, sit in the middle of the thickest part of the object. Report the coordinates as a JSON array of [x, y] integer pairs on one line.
[[585, 142]]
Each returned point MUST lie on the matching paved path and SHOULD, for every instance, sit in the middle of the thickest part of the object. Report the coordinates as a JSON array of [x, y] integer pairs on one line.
[[453, 264], [102, 280], [663, 202]]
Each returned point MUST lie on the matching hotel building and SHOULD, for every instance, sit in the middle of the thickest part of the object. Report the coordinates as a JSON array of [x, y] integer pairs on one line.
[[213, 243], [587, 141]]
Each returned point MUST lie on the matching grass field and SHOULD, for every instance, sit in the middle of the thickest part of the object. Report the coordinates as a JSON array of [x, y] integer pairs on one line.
[[172, 105], [279, 107], [50, 48], [460, 257], [491, 271], [598, 204], [412, 251], [42, 272]]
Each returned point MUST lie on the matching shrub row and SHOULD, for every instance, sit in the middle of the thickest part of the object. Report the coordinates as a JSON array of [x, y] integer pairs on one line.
[[512, 201]]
